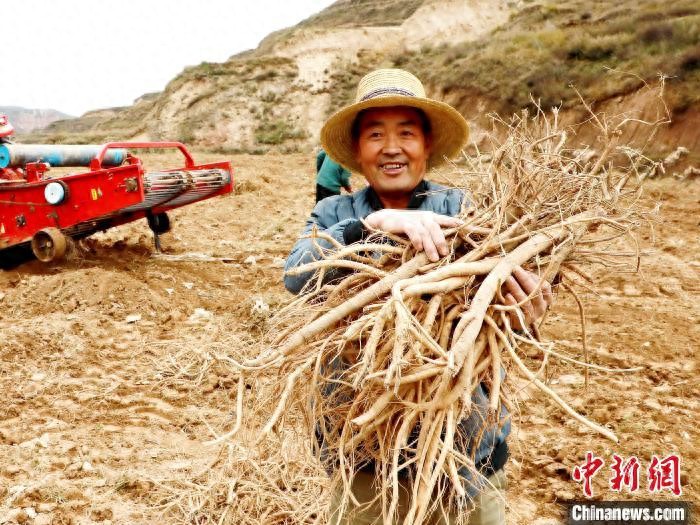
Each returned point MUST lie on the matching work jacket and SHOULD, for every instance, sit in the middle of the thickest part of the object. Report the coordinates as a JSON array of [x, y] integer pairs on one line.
[[330, 174]]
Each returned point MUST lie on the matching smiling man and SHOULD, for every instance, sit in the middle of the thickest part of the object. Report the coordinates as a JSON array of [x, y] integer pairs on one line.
[[392, 135]]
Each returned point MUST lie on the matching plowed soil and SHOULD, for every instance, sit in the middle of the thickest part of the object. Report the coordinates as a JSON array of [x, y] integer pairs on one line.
[[109, 389]]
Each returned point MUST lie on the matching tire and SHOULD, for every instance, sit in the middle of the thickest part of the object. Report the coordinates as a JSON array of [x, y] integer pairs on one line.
[[49, 244]]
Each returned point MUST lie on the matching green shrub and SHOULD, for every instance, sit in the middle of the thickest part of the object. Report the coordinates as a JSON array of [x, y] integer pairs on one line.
[[265, 75], [200, 96], [656, 33], [276, 132], [589, 52], [690, 61], [269, 97], [185, 133]]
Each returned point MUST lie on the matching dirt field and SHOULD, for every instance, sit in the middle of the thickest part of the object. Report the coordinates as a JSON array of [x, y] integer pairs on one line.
[[109, 387]]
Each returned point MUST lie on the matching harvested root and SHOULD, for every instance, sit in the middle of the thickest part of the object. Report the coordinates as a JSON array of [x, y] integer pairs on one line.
[[400, 368]]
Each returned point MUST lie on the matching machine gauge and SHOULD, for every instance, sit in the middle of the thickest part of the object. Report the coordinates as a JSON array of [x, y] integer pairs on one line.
[[55, 193]]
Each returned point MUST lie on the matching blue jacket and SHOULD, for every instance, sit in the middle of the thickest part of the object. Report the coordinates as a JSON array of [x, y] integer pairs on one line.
[[339, 217]]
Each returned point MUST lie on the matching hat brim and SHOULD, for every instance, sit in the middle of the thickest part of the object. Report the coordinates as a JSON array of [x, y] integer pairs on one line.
[[449, 129]]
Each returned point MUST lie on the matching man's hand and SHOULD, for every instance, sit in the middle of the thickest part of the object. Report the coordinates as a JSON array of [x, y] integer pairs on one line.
[[517, 288], [423, 228]]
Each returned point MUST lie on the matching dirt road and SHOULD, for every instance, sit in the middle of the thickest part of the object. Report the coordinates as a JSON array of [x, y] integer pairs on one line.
[[109, 389]]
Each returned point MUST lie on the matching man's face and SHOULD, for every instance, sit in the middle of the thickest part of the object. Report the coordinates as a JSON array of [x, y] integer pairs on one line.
[[392, 149]]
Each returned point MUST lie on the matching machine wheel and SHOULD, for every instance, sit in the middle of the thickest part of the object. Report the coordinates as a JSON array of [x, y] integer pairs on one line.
[[159, 223], [49, 244]]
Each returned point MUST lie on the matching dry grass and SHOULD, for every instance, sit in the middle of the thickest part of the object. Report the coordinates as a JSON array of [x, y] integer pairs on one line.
[[273, 484]]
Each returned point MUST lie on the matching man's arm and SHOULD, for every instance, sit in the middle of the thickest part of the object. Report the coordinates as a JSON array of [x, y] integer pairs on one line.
[[423, 228], [324, 218]]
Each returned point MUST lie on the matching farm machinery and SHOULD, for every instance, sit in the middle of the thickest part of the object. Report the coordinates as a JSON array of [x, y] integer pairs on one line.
[[44, 214]]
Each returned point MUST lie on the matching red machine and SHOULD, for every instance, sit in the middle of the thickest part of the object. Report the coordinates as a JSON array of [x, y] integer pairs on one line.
[[45, 213]]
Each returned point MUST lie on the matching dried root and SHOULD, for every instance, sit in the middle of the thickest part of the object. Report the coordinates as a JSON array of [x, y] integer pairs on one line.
[[387, 364]]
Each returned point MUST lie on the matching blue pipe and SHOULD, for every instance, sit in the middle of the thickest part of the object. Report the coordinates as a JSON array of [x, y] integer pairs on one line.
[[19, 155]]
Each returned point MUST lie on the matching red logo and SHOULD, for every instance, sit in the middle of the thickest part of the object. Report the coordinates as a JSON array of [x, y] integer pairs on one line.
[[625, 474], [585, 472], [665, 474]]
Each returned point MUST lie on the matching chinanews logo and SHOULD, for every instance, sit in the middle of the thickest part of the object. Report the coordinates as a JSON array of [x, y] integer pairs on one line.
[[662, 474], [628, 512]]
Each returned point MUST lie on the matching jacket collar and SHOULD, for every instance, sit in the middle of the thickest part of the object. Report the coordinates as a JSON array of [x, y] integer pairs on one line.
[[418, 196]]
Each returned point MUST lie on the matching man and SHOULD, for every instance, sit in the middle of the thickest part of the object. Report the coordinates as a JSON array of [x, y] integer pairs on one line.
[[330, 177], [392, 134]]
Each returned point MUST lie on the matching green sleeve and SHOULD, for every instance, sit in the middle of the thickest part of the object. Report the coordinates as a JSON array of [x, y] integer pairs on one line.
[[319, 160], [344, 177], [329, 175]]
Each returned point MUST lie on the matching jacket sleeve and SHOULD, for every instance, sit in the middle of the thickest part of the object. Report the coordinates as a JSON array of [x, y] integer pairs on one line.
[[319, 160], [344, 177], [325, 218]]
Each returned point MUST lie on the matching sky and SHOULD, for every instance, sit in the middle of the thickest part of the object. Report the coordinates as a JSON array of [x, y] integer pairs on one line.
[[79, 55]]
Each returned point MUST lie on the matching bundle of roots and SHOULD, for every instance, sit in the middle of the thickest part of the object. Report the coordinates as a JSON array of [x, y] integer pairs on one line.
[[386, 352]]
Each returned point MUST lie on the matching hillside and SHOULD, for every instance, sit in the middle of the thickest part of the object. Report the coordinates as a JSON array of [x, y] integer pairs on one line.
[[479, 55], [26, 120]]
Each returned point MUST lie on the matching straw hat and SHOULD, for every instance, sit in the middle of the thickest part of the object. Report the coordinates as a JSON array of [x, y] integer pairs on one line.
[[395, 87]]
